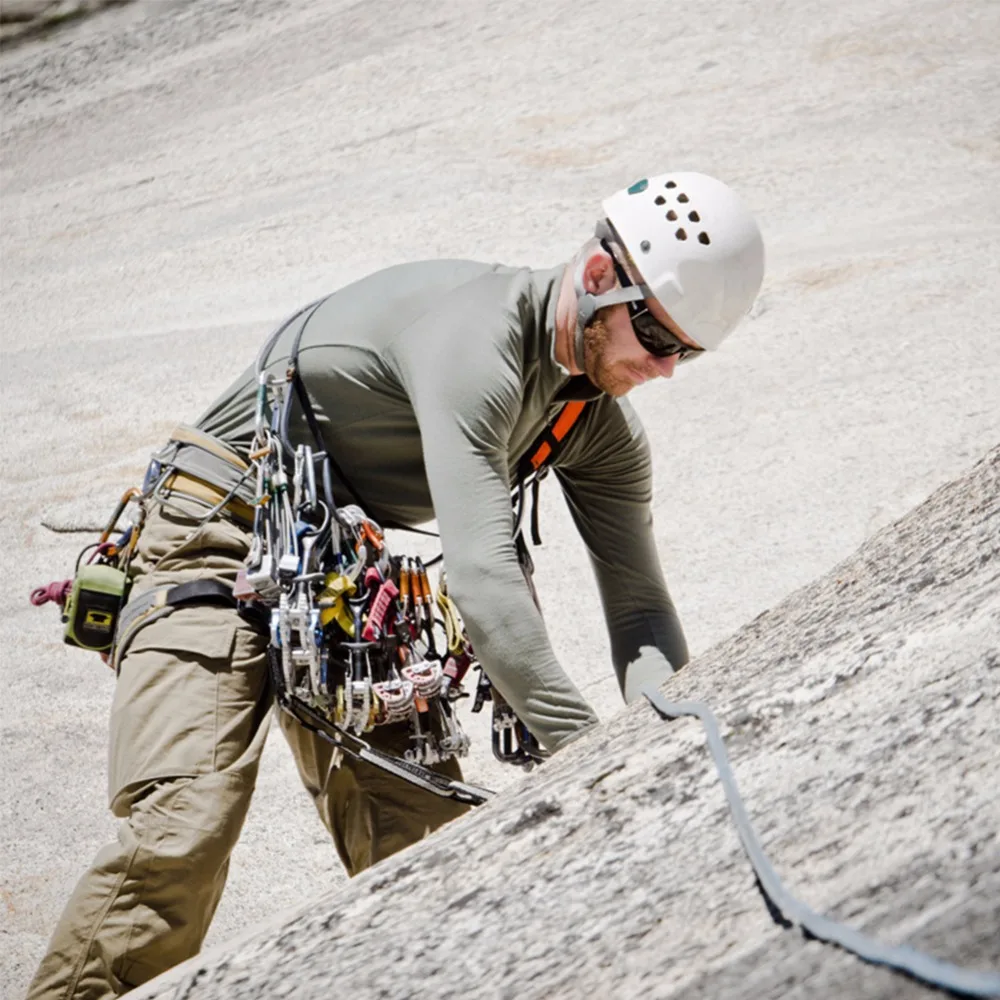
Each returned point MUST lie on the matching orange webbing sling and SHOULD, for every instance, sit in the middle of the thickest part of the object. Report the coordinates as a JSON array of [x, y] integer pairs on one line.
[[543, 451], [549, 442]]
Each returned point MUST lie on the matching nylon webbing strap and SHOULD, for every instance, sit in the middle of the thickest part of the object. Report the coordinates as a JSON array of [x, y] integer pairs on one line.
[[787, 910], [309, 412], [160, 602], [547, 444], [543, 451], [195, 591]]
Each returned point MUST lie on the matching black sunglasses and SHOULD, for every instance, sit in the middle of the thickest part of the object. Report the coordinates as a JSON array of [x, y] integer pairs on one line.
[[651, 334]]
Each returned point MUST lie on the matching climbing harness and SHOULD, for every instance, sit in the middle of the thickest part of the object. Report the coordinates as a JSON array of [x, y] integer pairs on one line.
[[786, 910], [356, 637], [96, 608], [161, 602], [537, 460]]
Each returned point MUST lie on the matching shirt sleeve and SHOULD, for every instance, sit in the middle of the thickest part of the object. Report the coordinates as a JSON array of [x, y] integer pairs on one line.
[[462, 370], [606, 476]]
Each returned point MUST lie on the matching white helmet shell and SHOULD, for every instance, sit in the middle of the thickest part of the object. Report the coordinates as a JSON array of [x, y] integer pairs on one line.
[[697, 248]]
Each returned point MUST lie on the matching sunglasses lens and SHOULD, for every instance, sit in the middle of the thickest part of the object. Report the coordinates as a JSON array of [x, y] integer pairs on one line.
[[657, 339]]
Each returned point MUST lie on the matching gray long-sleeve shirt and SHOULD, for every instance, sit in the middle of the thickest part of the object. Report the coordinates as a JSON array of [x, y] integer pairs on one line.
[[430, 381]]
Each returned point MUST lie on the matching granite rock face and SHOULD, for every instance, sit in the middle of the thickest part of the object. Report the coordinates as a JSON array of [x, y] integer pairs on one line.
[[180, 175], [23, 18], [860, 715]]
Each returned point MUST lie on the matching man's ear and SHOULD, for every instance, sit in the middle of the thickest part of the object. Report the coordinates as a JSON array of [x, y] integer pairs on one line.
[[598, 273]]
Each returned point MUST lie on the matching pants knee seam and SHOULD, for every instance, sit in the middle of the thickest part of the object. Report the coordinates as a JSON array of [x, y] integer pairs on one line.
[[123, 958], [215, 725], [112, 896]]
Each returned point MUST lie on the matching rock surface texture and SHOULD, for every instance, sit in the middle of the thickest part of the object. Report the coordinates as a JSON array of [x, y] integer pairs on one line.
[[176, 176], [860, 716], [20, 19]]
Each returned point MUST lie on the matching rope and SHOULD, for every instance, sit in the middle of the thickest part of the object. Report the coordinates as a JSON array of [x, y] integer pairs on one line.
[[449, 615], [787, 910], [56, 592]]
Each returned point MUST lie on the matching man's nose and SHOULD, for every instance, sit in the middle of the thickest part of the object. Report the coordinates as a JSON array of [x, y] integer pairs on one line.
[[665, 366]]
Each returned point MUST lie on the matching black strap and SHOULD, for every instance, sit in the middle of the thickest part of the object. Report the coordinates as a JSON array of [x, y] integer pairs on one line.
[[306, 406], [212, 592], [536, 535], [786, 910], [310, 414], [201, 592], [317, 432], [253, 613]]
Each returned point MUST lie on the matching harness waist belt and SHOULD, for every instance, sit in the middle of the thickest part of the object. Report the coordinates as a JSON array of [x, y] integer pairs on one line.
[[184, 434], [198, 489], [207, 470]]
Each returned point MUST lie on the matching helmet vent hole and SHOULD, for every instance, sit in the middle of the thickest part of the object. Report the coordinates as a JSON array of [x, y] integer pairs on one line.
[[671, 184], [703, 238], [672, 215], [694, 216], [682, 198], [681, 235], [660, 200]]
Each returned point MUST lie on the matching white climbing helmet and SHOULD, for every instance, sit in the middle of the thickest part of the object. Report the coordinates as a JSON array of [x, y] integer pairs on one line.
[[698, 249]]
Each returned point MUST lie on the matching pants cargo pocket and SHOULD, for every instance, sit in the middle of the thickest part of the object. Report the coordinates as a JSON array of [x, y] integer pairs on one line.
[[184, 704]]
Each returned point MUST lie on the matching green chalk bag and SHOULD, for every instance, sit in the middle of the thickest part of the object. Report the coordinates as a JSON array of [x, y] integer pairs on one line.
[[92, 608]]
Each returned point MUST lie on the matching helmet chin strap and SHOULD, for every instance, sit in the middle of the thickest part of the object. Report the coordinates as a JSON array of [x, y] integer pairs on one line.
[[585, 309], [587, 305]]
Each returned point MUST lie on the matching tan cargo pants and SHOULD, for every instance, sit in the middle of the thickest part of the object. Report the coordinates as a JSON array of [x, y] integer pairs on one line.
[[190, 715]]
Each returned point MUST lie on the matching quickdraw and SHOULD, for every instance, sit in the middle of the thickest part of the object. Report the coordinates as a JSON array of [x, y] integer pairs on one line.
[[351, 625]]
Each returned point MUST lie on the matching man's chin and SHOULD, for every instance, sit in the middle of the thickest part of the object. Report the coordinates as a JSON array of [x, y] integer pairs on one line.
[[619, 389], [611, 385], [607, 377]]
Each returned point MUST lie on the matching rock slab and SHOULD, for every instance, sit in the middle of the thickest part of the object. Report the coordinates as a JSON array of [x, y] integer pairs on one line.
[[179, 175], [22, 18]]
